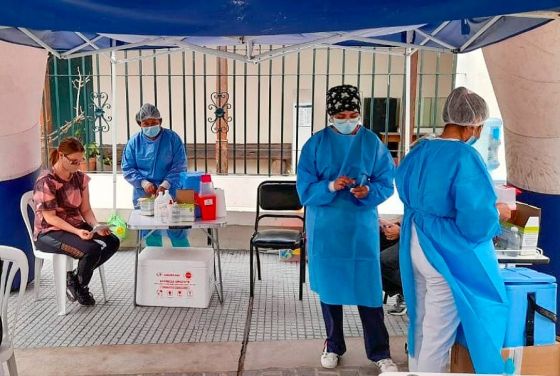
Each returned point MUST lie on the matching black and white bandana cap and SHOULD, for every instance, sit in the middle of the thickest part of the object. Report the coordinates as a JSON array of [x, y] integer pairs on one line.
[[343, 98]]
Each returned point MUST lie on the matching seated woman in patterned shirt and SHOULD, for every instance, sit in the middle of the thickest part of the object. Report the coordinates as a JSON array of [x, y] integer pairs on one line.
[[64, 219]]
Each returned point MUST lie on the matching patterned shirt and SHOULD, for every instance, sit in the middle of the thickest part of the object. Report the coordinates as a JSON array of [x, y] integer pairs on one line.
[[64, 197]]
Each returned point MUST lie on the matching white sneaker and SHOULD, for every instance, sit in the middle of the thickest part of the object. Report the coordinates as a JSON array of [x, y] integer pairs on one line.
[[387, 365], [329, 359]]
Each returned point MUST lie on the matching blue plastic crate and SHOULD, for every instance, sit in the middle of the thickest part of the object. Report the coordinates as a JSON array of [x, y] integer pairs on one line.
[[191, 180], [520, 282]]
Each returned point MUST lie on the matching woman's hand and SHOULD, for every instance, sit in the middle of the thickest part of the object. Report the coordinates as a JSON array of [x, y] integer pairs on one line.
[[84, 234], [150, 189], [105, 232], [504, 210], [342, 182], [360, 191], [392, 231]]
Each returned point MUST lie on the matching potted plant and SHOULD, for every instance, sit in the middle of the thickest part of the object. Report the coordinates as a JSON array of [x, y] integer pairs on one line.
[[92, 152], [107, 162]]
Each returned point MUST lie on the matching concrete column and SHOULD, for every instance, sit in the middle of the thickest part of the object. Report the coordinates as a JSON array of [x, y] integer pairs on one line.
[[22, 76], [526, 77]]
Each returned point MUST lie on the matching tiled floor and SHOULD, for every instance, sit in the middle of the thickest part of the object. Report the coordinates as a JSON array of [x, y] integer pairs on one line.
[[277, 313], [277, 317]]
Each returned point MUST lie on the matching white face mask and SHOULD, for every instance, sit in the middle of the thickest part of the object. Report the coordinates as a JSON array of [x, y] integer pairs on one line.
[[346, 126]]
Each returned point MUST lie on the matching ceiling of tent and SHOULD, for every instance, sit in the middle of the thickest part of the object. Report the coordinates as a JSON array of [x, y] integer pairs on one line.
[[70, 28]]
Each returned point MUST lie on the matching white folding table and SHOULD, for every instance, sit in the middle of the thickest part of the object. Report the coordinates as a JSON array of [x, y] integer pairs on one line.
[[512, 258]]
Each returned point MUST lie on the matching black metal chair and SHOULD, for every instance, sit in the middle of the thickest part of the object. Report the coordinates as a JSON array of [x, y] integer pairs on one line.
[[277, 196]]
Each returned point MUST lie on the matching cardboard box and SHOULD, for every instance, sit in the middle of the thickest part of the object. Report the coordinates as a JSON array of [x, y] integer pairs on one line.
[[535, 360], [185, 196], [527, 219]]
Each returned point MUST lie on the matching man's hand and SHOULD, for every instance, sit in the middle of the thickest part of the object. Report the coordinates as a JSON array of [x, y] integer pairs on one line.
[[342, 182], [160, 189]]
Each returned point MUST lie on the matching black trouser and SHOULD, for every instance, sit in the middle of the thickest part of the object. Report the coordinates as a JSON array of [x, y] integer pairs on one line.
[[376, 337], [90, 253], [390, 271]]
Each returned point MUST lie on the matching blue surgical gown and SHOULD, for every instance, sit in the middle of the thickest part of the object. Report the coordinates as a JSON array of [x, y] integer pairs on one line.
[[448, 194], [342, 231], [155, 161]]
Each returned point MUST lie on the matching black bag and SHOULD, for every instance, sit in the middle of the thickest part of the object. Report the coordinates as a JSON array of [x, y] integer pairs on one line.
[[533, 307]]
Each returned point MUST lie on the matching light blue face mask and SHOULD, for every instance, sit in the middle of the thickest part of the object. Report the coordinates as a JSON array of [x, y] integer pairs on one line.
[[471, 141], [346, 126], [152, 131]]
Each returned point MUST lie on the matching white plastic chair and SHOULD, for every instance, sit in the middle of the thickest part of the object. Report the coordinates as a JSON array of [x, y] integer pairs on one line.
[[61, 263], [13, 260]]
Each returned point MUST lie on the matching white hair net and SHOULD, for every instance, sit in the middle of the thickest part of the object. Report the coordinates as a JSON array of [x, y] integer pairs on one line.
[[464, 107], [147, 111]]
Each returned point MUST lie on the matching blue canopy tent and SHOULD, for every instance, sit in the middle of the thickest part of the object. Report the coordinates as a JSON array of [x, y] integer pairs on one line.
[[80, 28], [75, 28]]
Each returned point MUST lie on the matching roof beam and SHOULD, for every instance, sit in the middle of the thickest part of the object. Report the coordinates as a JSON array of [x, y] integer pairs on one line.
[[82, 46], [381, 50], [479, 33], [38, 40], [400, 44], [159, 53], [211, 51], [434, 39], [541, 14], [148, 42], [331, 39], [436, 31]]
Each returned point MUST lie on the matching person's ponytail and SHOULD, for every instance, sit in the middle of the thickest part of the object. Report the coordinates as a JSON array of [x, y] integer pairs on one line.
[[53, 157]]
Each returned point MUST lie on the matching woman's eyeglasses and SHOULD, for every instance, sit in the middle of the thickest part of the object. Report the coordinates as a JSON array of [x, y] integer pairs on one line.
[[75, 162]]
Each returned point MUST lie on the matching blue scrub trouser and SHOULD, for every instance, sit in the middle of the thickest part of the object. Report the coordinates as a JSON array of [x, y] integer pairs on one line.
[[179, 238], [376, 337]]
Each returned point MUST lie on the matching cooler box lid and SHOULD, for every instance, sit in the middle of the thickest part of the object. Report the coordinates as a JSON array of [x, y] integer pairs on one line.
[[525, 276], [190, 180], [197, 257]]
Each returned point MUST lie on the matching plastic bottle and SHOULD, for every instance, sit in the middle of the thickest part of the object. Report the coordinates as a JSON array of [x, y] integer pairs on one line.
[[206, 186], [489, 143], [164, 211], [207, 198], [157, 206], [174, 212], [514, 241], [493, 147]]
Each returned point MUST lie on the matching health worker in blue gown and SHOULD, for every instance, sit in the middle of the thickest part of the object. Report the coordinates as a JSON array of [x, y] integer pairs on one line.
[[448, 264], [152, 162], [344, 172]]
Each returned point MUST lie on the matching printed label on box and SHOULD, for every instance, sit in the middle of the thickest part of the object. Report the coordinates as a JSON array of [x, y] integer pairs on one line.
[[174, 285]]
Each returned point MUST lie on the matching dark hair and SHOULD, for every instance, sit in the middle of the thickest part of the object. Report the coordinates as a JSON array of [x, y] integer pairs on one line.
[[67, 146]]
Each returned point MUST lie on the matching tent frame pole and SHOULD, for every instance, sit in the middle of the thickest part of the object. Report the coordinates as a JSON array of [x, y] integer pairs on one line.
[[479, 33], [407, 125], [38, 40], [114, 89]]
